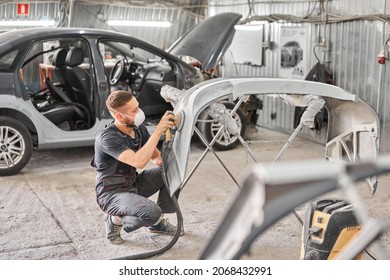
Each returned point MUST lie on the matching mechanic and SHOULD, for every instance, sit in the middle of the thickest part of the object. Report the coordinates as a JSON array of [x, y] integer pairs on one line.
[[120, 149]]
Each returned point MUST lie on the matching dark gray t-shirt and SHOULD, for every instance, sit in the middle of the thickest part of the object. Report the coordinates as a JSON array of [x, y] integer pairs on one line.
[[109, 144]]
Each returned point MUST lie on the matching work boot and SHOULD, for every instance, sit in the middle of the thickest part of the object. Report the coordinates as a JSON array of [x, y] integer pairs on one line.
[[165, 227], [113, 232]]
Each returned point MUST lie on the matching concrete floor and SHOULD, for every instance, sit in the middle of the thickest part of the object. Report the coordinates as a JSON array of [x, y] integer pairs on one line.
[[49, 211]]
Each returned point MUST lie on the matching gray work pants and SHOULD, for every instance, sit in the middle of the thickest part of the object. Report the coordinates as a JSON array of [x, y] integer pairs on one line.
[[137, 210]]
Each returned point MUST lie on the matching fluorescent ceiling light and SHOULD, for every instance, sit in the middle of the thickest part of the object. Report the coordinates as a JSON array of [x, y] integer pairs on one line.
[[27, 23], [139, 23], [248, 27]]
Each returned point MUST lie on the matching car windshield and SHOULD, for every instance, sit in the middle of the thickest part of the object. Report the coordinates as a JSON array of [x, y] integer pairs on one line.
[[114, 49]]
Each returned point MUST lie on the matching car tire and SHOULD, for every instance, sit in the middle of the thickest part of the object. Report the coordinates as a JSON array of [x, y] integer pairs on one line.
[[209, 129], [15, 146]]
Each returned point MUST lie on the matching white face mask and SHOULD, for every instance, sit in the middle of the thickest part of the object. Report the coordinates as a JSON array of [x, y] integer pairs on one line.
[[139, 117]]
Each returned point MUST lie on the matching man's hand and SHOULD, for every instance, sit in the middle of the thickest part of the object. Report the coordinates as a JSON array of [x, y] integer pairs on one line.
[[166, 122], [148, 152]]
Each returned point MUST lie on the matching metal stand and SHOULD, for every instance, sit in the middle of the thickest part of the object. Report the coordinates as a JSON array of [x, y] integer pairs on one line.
[[289, 141], [209, 147]]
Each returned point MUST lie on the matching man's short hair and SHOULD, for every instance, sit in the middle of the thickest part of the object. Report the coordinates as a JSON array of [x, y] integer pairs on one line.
[[118, 99]]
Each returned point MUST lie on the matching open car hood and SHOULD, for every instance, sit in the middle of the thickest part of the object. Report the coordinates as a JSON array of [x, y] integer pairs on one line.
[[208, 40], [353, 126]]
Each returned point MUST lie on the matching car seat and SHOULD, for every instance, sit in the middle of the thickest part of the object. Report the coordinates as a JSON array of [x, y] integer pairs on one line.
[[58, 114], [62, 108], [59, 65], [59, 71], [79, 79], [83, 117]]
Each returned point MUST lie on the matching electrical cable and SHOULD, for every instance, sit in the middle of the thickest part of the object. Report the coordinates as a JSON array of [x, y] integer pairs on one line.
[[234, 62], [166, 148], [250, 8], [312, 10], [331, 18], [314, 52], [371, 256], [306, 243]]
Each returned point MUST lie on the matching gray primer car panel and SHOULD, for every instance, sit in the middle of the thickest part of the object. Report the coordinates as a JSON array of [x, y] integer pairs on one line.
[[50, 136], [202, 95]]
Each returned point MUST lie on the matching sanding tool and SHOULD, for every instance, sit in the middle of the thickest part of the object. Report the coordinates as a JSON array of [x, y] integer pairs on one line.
[[178, 125]]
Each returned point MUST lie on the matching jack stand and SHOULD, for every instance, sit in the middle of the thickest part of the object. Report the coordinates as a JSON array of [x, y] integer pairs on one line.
[[209, 147], [284, 148]]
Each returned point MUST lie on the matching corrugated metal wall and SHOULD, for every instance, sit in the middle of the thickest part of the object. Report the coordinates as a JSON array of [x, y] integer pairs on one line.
[[275, 114], [37, 11], [97, 15], [351, 54], [94, 14]]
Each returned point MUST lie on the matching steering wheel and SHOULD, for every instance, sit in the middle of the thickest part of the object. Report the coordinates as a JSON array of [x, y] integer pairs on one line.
[[117, 71]]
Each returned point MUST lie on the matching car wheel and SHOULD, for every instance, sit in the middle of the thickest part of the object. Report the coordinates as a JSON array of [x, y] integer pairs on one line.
[[15, 146], [225, 141]]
